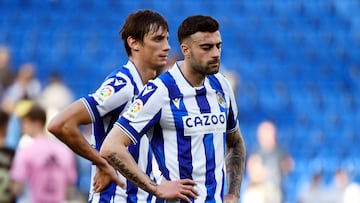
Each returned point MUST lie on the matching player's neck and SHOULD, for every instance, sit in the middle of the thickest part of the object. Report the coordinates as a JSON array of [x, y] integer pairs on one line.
[[194, 78], [146, 73]]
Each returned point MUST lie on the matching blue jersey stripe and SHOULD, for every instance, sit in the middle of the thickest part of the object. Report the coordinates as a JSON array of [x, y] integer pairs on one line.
[[98, 127], [210, 182], [215, 84], [184, 142], [159, 150], [131, 188], [127, 73], [122, 77]]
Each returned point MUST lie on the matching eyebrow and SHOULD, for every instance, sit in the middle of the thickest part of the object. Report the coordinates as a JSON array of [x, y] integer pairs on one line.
[[210, 44]]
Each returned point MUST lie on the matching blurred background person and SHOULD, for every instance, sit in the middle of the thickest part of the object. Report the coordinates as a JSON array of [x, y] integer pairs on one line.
[[6, 157], [6, 73], [25, 86], [15, 137], [257, 188], [298, 61], [343, 189], [276, 161], [55, 95], [46, 166], [313, 191]]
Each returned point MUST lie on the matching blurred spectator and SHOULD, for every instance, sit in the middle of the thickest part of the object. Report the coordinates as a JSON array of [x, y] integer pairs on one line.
[[232, 76], [343, 190], [276, 161], [6, 155], [6, 74], [50, 99], [14, 134], [24, 86], [48, 176], [259, 189], [313, 191]]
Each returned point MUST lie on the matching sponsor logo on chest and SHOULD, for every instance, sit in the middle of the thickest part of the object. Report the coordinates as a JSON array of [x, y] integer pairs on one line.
[[204, 124]]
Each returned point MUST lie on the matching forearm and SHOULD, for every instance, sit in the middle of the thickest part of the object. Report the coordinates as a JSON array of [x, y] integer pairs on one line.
[[116, 153], [235, 162], [65, 126], [128, 168], [75, 140]]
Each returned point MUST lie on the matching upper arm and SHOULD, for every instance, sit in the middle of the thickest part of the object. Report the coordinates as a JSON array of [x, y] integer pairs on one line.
[[233, 138], [143, 113], [115, 140]]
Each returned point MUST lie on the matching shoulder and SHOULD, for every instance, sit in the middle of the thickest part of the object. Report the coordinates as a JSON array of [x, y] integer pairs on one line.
[[113, 83], [219, 81]]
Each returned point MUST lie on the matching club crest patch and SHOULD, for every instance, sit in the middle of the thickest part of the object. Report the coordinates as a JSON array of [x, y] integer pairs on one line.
[[221, 99]]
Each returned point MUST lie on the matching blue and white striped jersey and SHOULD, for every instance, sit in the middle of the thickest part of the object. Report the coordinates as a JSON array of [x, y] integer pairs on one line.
[[187, 128], [113, 97]]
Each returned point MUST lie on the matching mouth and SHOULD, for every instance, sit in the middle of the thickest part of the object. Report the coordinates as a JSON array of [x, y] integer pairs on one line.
[[214, 64], [163, 57]]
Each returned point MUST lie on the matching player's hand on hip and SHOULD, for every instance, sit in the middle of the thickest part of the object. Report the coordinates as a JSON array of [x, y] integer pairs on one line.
[[178, 189], [104, 175]]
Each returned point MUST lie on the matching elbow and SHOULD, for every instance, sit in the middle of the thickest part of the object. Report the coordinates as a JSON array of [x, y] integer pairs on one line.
[[112, 150], [56, 127], [105, 152], [53, 126]]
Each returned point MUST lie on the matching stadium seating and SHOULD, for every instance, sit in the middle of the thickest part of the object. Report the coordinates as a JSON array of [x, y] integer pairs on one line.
[[298, 63]]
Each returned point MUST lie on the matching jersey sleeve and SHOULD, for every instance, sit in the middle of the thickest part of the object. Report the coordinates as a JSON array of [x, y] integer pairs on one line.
[[144, 112], [114, 92]]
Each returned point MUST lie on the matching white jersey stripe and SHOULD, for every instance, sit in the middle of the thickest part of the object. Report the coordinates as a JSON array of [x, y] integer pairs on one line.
[[187, 128], [105, 105]]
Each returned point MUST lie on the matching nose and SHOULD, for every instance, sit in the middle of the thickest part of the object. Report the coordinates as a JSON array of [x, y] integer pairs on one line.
[[167, 46], [216, 52]]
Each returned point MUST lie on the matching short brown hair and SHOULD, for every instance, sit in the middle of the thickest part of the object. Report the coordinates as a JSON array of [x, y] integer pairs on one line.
[[140, 23], [196, 23], [36, 113]]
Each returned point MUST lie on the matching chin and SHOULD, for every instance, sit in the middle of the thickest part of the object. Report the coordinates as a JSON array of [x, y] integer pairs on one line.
[[162, 64], [213, 71]]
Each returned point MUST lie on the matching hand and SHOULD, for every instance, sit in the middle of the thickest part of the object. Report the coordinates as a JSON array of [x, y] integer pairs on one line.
[[179, 189], [231, 198], [104, 175]]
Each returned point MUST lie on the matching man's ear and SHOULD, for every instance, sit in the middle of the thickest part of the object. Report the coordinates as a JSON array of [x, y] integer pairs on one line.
[[185, 50], [133, 43]]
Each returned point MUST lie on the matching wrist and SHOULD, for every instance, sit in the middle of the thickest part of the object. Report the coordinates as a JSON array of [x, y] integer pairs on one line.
[[154, 188], [233, 196]]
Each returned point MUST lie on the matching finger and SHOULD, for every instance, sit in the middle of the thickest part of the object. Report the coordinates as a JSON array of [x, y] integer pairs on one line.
[[191, 189], [96, 188], [185, 198], [187, 182], [120, 183], [190, 192]]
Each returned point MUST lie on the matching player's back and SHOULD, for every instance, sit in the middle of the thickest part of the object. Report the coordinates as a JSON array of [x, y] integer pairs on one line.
[[105, 105]]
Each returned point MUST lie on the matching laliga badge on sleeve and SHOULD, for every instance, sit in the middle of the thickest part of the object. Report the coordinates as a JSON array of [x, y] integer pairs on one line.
[[134, 109], [103, 93]]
